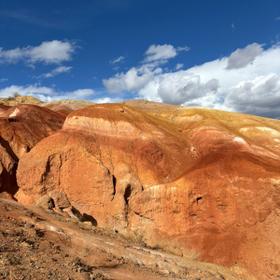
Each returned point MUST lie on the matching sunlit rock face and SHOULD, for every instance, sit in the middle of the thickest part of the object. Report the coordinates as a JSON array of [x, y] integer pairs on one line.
[[192, 181], [21, 127]]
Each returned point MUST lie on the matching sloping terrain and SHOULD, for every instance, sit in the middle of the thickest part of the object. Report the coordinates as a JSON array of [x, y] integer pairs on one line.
[[35, 244], [199, 183]]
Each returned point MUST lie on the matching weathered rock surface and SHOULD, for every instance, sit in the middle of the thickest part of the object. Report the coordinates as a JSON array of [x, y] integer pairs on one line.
[[195, 182], [40, 245], [21, 127]]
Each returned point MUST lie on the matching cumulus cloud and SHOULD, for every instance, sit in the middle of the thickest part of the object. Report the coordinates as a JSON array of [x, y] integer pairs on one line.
[[48, 52], [133, 80], [57, 71], [137, 77], [46, 93], [257, 96], [247, 81], [162, 52], [178, 88], [26, 90], [242, 57]]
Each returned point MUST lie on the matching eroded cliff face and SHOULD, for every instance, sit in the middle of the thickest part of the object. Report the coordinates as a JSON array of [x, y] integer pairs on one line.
[[195, 182], [21, 127]]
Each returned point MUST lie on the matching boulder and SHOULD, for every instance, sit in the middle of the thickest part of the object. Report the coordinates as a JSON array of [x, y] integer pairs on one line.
[[196, 182]]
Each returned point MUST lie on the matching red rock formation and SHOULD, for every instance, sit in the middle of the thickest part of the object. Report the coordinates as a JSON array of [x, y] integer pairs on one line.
[[192, 181], [21, 127]]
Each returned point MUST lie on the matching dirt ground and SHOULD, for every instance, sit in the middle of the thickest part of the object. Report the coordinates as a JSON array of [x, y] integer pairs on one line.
[[39, 244]]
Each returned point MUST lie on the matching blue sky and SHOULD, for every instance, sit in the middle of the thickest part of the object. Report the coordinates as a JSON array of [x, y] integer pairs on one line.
[[219, 54]]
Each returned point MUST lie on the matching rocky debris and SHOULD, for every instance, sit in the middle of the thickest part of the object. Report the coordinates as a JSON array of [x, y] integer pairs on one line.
[[29, 252], [42, 245], [92, 274], [189, 181], [5, 195], [60, 199], [54, 199], [46, 202], [58, 202], [21, 127]]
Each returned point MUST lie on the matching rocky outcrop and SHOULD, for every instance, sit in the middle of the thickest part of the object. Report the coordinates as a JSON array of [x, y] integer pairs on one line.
[[21, 127], [195, 182]]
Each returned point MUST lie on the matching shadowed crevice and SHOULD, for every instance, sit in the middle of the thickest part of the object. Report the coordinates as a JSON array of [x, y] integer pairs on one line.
[[114, 183], [127, 194], [9, 181], [84, 217], [8, 148]]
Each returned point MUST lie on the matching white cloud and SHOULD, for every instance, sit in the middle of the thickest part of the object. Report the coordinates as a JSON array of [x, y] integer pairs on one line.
[[133, 80], [57, 71], [179, 66], [257, 96], [242, 57], [162, 52], [106, 100], [185, 88], [250, 85], [46, 93], [137, 77], [277, 18], [183, 49], [26, 90], [178, 88], [117, 60], [79, 94], [48, 52]]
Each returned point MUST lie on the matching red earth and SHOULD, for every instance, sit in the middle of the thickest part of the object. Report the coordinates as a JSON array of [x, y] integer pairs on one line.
[[202, 184], [21, 127]]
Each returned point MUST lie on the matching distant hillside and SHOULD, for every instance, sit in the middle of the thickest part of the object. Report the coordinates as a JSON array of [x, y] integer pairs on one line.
[[18, 99], [64, 106]]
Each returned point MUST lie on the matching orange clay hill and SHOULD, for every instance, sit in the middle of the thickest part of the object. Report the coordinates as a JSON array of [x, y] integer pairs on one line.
[[21, 127], [195, 182]]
